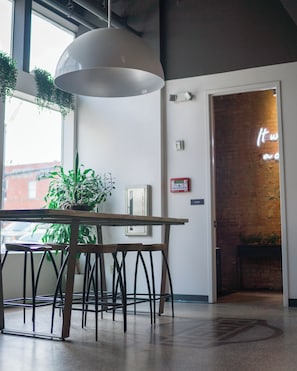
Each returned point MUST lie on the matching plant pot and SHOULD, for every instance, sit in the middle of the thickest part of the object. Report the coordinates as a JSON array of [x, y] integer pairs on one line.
[[79, 207]]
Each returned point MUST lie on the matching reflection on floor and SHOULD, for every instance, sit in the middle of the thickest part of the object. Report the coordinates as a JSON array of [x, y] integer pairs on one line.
[[260, 297], [244, 331]]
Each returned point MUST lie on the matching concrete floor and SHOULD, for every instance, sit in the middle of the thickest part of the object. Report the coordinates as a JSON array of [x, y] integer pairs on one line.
[[250, 331]]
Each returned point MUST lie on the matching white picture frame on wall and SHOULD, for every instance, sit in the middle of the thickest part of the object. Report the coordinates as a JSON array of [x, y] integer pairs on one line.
[[138, 201]]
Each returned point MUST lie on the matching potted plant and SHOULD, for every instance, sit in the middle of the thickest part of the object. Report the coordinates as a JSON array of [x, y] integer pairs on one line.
[[8, 75], [47, 93], [259, 239], [78, 189]]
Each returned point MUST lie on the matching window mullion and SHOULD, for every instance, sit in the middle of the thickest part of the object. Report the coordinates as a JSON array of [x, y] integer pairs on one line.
[[21, 33], [2, 136]]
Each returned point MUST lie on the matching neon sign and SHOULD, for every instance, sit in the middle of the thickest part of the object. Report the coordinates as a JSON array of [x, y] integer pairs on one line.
[[264, 136]]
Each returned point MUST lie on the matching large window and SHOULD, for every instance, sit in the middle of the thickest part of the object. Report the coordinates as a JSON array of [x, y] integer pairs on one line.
[[32, 146], [5, 25], [33, 138], [48, 41]]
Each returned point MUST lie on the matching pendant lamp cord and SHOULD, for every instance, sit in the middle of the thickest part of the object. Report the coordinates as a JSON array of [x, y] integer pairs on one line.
[[108, 14]]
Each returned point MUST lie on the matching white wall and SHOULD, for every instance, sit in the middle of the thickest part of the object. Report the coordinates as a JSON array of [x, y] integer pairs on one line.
[[124, 136], [190, 121]]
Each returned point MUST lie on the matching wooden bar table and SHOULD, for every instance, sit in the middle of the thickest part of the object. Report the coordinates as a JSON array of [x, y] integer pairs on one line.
[[75, 218]]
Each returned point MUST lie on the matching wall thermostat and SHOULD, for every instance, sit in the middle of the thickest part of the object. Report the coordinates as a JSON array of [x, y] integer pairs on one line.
[[179, 184]]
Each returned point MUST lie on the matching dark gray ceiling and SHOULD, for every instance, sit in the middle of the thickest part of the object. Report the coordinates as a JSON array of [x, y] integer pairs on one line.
[[133, 13], [138, 16], [201, 37], [198, 37], [125, 13], [291, 8]]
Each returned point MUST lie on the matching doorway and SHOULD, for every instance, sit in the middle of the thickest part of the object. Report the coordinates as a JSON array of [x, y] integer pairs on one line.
[[246, 192]]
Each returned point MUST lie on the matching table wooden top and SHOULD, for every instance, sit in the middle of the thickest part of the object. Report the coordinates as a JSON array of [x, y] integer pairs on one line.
[[85, 217]]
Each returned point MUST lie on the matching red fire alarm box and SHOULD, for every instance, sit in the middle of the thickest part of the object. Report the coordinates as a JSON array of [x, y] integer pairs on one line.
[[179, 184]]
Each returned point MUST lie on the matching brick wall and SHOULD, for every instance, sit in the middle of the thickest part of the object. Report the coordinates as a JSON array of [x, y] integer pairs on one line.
[[17, 179], [247, 187]]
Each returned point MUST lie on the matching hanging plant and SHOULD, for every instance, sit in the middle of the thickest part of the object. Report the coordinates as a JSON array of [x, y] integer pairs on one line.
[[8, 75], [47, 93], [45, 88]]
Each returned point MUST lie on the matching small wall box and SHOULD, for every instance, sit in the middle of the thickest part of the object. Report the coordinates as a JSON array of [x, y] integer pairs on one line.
[[180, 185]]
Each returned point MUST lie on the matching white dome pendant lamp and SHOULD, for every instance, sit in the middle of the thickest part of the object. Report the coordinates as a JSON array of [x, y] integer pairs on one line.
[[109, 62]]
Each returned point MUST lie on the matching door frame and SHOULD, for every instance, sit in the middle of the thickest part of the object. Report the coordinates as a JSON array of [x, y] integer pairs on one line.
[[212, 294]]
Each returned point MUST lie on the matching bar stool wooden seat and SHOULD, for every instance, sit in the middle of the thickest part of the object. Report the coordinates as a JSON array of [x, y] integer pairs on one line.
[[30, 249]]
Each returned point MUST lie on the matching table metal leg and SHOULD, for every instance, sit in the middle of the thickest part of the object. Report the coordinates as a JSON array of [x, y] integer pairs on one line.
[[102, 260], [1, 299], [164, 270], [70, 280]]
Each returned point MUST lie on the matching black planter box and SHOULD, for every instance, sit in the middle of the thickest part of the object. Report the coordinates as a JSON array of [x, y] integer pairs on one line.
[[259, 251]]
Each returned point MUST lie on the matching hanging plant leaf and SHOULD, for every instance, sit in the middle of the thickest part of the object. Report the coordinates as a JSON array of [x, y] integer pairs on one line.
[[8, 75], [45, 88], [47, 93], [64, 100]]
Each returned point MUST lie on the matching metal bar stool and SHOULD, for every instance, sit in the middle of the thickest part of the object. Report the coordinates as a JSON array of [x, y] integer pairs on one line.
[[34, 300], [151, 295], [93, 298], [136, 297], [94, 271], [161, 296]]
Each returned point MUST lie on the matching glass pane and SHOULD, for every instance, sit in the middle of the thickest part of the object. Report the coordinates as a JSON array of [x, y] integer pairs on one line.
[[32, 146], [5, 25], [48, 41]]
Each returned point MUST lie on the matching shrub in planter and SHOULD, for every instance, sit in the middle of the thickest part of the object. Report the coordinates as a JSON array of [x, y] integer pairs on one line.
[[79, 189]]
